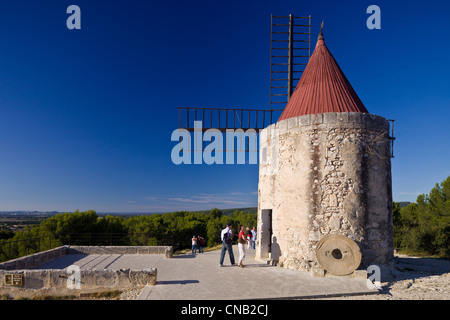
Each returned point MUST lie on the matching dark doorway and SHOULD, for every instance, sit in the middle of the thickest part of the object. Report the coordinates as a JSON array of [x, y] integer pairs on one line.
[[266, 233]]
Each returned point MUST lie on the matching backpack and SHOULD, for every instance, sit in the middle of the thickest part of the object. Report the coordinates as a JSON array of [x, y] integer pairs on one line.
[[226, 238]]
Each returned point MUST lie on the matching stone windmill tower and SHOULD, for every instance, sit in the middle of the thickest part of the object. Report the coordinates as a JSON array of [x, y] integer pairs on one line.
[[325, 169]]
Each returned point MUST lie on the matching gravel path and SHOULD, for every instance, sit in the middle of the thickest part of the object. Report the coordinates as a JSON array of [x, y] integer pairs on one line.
[[131, 294], [413, 278]]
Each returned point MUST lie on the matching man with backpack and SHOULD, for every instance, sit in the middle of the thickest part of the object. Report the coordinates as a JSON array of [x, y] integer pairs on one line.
[[227, 237]]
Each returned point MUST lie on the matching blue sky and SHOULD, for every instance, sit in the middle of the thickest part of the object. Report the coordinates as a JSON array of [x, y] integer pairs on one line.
[[86, 115]]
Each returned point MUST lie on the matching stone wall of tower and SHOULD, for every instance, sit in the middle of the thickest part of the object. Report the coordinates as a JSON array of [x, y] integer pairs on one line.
[[325, 174]]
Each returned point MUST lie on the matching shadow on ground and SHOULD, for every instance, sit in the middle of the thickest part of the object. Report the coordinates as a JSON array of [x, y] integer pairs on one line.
[[413, 268], [63, 262], [177, 282]]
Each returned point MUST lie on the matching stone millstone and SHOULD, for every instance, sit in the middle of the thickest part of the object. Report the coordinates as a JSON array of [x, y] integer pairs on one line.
[[338, 255]]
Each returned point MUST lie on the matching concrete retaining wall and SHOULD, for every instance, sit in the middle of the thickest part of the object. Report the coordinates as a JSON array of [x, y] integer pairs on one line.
[[165, 250], [33, 260], [63, 282]]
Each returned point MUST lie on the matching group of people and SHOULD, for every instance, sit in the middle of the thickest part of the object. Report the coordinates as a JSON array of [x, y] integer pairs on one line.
[[246, 239], [197, 243]]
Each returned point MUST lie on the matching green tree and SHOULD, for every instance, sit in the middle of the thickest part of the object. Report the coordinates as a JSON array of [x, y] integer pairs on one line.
[[173, 228], [6, 234], [425, 226], [215, 213], [213, 230]]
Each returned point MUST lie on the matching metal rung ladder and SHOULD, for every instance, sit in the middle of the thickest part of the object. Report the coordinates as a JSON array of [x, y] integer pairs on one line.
[[296, 60]]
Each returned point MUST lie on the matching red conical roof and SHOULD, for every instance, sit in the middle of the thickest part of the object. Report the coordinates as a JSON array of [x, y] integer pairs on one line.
[[322, 88]]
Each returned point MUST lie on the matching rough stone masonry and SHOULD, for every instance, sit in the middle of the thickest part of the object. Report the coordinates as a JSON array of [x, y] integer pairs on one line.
[[325, 174]]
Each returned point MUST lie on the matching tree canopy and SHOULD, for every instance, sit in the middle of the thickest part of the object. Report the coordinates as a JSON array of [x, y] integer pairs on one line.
[[88, 228], [424, 226]]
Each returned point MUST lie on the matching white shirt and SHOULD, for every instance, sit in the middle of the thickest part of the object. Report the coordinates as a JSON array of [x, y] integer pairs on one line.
[[254, 233], [225, 231]]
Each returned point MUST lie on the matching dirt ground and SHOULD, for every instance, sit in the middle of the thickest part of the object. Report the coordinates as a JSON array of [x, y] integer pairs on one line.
[[413, 278]]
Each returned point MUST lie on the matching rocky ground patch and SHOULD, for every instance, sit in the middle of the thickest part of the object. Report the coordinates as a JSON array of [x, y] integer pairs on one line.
[[413, 278]]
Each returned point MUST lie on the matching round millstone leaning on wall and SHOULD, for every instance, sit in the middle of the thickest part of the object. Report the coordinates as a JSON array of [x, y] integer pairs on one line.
[[338, 255], [326, 174]]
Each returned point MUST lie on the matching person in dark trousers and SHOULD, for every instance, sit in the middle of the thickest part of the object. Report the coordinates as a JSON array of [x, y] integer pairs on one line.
[[194, 245], [227, 237], [200, 244]]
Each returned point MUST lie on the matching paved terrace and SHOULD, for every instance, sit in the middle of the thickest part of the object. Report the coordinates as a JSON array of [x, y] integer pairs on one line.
[[189, 277]]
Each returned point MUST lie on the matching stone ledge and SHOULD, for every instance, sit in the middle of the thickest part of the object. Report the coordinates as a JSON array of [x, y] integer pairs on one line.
[[38, 282], [166, 250], [33, 260], [320, 272], [367, 120]]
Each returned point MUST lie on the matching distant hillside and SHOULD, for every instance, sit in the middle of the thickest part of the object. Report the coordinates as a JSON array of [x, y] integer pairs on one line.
[[403, 204], [28, 213], [229, 212]]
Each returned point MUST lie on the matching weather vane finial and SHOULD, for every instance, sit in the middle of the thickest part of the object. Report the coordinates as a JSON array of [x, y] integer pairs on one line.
[[320, 33]]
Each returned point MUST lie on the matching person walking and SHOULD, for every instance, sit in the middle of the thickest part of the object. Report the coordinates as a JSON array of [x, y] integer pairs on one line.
[[249, 238], [254, 233], [227, 245], [194, 245], [242, 240]]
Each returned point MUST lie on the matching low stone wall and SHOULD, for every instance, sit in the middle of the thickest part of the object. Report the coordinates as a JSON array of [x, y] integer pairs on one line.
[[165, 250], [33, 260], [73, 281], [69, 282]]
